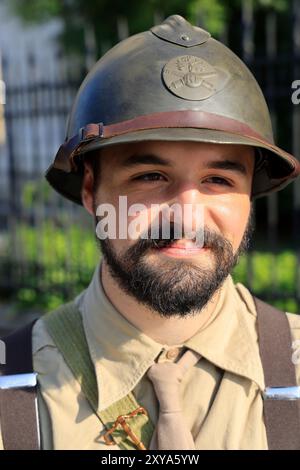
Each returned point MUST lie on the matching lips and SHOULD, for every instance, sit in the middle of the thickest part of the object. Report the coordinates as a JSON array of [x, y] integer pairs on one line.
[[182, 247], [185, 244]]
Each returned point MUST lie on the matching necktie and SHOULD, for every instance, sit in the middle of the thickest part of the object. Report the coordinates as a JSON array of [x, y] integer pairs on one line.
[[171, 432]]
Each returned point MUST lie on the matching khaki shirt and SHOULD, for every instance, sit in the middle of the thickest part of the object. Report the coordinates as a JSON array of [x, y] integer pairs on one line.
[[221, 394]]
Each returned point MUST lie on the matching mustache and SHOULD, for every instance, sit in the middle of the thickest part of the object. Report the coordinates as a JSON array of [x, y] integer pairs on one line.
[[211, 239]]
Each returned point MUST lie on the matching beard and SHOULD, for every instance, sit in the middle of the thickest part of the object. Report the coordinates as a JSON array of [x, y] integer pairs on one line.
[[173, 287]]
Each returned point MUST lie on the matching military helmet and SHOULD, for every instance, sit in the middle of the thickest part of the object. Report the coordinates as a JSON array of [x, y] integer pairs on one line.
[[172, 83]]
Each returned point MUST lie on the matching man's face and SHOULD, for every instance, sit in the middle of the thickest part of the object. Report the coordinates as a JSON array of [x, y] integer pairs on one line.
[[176, 277]]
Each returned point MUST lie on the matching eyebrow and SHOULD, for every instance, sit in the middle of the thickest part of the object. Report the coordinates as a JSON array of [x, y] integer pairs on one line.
[[228, 165], [152, 159], [146, 159]]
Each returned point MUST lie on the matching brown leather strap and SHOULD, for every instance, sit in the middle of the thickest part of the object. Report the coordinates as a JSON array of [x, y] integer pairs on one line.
[[18, 407], [282, 417], [169, 119], [184, 118]]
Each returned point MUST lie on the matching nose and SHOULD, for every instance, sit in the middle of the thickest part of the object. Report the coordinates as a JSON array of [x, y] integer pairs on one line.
[[188, 194], [191, 203]]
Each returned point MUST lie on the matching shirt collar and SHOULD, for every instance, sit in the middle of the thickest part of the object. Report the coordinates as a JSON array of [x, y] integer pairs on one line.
[[122, 354], [230, 341]]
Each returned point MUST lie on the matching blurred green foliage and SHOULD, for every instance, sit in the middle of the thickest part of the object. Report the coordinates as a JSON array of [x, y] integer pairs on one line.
[[266, 267], [101, 16], [53, 263]]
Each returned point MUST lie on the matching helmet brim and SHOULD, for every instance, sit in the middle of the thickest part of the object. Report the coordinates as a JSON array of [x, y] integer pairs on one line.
[[278, 170]]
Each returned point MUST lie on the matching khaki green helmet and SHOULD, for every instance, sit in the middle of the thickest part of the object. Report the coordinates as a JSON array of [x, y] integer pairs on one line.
[[172, 83]]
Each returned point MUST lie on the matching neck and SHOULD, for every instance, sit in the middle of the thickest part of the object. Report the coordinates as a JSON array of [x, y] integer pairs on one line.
[[168, 331]]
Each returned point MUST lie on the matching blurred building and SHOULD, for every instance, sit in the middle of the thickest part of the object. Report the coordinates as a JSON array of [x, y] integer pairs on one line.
[[20, 46]]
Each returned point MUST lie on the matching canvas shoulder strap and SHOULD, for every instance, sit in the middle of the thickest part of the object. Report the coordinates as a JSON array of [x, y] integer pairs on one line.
[[282, 415], [74, 348], [18, 393]]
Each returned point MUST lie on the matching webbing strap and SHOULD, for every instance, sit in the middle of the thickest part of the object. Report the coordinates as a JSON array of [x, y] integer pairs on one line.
[[66, 328], [282, 417], [18, 406]]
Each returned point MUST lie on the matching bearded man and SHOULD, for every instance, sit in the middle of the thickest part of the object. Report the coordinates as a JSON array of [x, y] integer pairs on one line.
[[163, 350]]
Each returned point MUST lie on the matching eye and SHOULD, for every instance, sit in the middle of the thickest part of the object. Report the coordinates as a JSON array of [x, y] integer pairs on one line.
[[150, 177], [218, 180]]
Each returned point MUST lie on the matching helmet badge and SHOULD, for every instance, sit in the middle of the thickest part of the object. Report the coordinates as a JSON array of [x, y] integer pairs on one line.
[[192, 78]]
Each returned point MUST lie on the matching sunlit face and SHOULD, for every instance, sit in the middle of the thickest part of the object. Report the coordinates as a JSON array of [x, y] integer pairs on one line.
[[217, 177]]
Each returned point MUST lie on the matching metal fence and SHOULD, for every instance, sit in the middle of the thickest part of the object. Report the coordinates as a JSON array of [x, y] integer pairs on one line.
[[46, 243], [31, 212]]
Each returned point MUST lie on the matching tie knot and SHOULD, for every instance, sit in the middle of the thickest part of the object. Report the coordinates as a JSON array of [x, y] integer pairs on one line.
[[166, 377]]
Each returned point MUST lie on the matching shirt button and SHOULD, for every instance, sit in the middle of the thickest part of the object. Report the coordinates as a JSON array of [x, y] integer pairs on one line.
[[172, 353]]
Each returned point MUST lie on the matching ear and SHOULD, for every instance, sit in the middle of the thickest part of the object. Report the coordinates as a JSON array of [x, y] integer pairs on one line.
[[87, 187]]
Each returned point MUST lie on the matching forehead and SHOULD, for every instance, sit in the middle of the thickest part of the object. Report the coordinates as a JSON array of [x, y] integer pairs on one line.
[[178, 153]]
